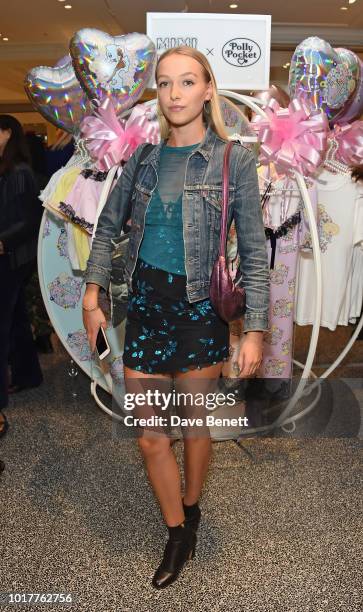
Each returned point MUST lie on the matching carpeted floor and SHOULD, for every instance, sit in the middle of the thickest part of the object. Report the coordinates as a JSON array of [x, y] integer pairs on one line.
[[280, 531]]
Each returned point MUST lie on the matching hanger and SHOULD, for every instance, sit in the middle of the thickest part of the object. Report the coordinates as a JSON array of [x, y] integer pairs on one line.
[[331, 163], [277, 190], [80, 156]]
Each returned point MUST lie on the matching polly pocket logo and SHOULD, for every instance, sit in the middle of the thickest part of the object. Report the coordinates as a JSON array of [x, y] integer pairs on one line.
[[241, 52]]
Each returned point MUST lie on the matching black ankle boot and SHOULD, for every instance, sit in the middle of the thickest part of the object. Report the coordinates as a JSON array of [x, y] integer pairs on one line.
[[192, 515], [179, 548]]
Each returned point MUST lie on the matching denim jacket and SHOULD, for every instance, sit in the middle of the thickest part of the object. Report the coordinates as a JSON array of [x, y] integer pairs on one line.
[[201, 211]]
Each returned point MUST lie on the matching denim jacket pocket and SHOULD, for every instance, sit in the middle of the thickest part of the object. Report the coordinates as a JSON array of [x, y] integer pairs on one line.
[[214, 197]]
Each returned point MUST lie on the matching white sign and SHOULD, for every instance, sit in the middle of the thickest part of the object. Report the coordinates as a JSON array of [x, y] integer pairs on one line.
[[237, 46]]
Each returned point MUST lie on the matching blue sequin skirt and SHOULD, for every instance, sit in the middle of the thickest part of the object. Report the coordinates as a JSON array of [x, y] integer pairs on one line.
[[164, 331]]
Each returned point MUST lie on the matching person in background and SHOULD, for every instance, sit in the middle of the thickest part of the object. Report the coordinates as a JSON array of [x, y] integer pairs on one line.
[[38, 160], [20, 215], [40, 322], [357, 173], [357, 176], [59, 153]]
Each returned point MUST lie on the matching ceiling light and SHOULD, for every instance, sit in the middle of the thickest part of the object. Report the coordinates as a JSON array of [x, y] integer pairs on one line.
[[61, 0], [233, 6], [5, 38], [67, 6], [351, 1], [343, 8]]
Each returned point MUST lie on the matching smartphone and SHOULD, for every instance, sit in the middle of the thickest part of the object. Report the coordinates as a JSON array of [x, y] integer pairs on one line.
[[102, 345]]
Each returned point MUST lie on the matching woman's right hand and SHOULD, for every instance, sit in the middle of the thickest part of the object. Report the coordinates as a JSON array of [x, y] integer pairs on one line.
[[92, 322]]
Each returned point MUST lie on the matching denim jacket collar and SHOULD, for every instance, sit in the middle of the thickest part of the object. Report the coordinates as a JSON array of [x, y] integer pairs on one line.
[[205, 148]]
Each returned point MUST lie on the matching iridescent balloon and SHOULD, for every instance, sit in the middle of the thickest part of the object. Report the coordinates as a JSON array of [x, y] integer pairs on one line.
[[63, 61], [114, 66], [321, 77], [57, 95], [354, 108]]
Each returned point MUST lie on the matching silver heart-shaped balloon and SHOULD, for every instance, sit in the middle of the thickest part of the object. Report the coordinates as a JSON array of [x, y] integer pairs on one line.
[[354, 108], [57, 95], [322, 76], [114, 66]]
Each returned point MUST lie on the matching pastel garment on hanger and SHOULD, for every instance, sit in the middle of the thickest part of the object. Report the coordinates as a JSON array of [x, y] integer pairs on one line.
[[286, 233], [280, 200], [71, 246], [81, 203], [82, 245], [353, 302], [277, 343], [340, 228], [356, 290], [64, 185], [49, 189], [74, 243]]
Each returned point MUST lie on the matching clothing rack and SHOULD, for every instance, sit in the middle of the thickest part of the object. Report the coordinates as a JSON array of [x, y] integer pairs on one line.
[[286, 419], [252, 103]]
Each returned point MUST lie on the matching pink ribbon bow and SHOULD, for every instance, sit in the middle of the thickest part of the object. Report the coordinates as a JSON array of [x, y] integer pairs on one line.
[[349, 138], [293, 138], [110, 140]]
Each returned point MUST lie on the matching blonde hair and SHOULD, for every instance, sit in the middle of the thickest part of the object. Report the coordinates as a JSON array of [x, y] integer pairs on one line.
[[213, 115]]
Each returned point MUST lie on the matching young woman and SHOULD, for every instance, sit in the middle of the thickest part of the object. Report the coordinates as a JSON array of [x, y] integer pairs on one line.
[[173, 335], [20, 213]]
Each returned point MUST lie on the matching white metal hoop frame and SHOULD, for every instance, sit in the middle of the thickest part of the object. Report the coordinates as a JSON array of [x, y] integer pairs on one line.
[[285, 418]]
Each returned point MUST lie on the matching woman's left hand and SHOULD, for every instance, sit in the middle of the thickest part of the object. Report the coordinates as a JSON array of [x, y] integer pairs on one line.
[[250, 353]]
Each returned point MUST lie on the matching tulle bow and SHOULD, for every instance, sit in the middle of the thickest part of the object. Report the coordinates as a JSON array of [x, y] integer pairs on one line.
[[349, 139], [110, 140], [293, 138]]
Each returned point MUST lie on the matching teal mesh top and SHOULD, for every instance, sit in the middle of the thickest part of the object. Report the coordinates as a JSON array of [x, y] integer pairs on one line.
[[163, 245]]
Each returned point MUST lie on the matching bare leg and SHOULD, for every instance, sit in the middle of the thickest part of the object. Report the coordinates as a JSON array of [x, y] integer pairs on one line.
[[197, 454], [164, 475], [197, 449], [159, 459]]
